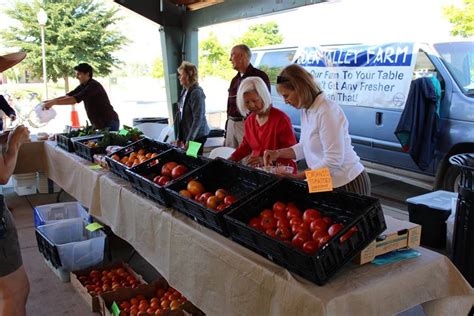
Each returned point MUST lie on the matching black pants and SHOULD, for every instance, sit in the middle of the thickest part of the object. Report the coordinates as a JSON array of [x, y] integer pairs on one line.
[[201, 140]]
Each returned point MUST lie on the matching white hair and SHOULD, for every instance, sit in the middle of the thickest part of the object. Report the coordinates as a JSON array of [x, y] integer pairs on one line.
[[253, 84]]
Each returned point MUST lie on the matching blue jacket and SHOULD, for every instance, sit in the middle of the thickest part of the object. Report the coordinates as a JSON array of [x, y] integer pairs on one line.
[[419, 126], [193, 123]]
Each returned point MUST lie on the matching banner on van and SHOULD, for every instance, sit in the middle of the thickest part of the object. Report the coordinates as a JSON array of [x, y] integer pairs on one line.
[[365, 75]]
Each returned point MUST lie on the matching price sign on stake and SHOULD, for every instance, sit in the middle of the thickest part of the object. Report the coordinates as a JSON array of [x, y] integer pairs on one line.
[[93, 227], [193, 148], [123, 132], [115, 309], [319, 180]]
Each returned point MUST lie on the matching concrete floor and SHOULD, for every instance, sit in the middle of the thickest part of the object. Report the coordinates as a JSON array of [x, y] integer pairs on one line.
[[49, 295]]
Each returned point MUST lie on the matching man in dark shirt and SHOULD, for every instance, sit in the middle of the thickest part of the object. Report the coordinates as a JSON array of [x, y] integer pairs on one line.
[[98, 108], [240, 58]]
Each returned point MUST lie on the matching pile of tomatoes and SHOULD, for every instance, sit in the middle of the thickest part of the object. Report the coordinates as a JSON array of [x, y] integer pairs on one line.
[[309, 230], [217, 201], [134, 158], [100, 281], [160, 304], [170, 171]]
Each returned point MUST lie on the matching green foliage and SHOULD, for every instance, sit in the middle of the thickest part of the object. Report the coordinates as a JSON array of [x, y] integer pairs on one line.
[[462, 19], [263, 34], [214, 59], [157, 69], [76, 31]]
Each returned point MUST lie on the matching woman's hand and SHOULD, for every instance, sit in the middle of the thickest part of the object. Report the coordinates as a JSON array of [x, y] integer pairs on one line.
[[18, 136], [255, 161], [269, 156]]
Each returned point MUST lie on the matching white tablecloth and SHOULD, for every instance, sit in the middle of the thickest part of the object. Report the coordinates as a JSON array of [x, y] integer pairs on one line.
[[223, 278]]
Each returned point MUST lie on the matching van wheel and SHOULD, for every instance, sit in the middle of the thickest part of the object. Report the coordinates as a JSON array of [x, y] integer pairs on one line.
[[451, 179]]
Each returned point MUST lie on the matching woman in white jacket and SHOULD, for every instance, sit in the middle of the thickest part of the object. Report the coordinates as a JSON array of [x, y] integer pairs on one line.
[[324, 140]]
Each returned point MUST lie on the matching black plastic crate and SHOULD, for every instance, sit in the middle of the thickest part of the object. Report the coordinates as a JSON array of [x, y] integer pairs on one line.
[[87, 152], [149, 145], [64, 142], [141, 176], [348, 209], [48, 249], [236, 179]]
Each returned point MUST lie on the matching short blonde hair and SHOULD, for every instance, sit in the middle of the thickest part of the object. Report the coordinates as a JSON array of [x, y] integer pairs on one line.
[[190, 70], [253, 84], [296, 78]]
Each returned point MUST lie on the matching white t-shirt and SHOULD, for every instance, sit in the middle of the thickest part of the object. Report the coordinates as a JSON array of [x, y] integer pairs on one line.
[[325, 141]]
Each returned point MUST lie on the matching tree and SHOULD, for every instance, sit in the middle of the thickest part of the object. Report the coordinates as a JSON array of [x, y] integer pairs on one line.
[[461, 18], [214, 58], [76, 31], [157, 69], [263, 34]]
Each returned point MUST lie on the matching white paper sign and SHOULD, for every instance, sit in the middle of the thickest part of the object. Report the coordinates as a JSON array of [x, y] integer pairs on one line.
[[362, 75]]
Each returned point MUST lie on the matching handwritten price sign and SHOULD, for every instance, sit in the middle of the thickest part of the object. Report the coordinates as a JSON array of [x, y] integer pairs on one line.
[[319, 180]]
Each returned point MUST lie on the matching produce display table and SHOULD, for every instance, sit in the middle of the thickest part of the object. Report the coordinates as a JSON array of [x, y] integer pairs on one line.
[[223, 278]]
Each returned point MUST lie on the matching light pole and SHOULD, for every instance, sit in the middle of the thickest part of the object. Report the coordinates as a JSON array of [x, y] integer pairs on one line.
[[42, 19]]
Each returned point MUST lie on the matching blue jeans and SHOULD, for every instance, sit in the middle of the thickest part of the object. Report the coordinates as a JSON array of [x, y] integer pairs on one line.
[[114, 125]]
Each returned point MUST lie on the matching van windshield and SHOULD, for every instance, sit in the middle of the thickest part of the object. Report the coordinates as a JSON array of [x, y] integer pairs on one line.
[[459, 59]]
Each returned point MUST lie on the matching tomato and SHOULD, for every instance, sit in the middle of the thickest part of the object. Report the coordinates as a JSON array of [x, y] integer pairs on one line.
[[221, 194], [255, 223], [203, 197], [268, 222], [319, 234], [94, 274], [318, 225], [186, 193], [163, 180], [178, 171], [221, 207], [296, 221], [324, 240], [266, 213], [230, 199], [282, 222], [283, 233], [195, 187], [212, 202], [167, 168], [279, 206], [293, 212], [334, 229], [270, 232], [310, 215], [310, 247], [300, 238], [279, 213]]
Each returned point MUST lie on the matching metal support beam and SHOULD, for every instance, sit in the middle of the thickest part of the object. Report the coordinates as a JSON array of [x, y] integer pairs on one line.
[[159, 11], [231, 10]]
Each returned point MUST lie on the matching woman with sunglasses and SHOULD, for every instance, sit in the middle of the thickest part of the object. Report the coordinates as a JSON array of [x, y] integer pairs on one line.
[[324, 140]]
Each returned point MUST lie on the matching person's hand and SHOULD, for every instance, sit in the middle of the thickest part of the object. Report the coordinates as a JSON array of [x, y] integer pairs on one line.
[[13, 117], [4, 137], [47, 105], [18, 136], [269, 156], [255, 161]]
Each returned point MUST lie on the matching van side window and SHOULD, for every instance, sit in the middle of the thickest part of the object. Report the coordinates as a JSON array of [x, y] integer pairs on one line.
[[424, 67], [274, 61]]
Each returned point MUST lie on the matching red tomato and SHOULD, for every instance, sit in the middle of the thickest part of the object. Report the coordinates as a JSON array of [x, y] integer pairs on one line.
[[279, 206], [221, 207], [270, 232], [310, 247], [334, 229], [254, 222], [318, 225], [212, 202], [203, 197], [221, 194], [299, 239], [167, 168], [268, 222], [266, 213], [230, 199], [178, 171], [324, 240], [310, 215], [319, 234], [293, 211], [283, 222], [283, 233], [279, 213], [296, 221]]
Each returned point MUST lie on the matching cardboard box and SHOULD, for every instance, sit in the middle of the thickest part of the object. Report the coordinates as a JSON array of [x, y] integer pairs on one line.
[[147, 290], [93, 301], [399, 234]]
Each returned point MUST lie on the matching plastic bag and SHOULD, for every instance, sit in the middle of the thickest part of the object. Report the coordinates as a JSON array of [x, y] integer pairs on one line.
[[395, 256], [450, 227], [44, 116]]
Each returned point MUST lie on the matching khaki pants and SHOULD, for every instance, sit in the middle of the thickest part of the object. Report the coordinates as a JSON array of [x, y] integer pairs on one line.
[[234, 133]]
